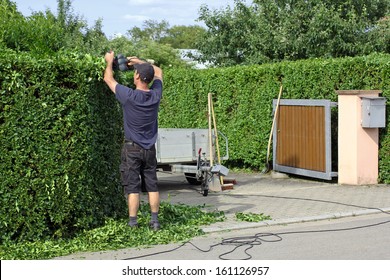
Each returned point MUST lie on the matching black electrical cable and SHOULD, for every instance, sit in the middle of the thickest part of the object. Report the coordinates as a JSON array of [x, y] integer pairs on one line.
[[260, 238]]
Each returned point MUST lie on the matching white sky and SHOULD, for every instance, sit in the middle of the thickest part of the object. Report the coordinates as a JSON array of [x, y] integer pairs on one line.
[[121, 15]]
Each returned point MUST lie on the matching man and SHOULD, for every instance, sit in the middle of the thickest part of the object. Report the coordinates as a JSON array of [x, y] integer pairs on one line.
[[140, 111]]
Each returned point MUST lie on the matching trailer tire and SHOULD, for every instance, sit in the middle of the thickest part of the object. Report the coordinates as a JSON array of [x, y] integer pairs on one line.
[[191, 179]]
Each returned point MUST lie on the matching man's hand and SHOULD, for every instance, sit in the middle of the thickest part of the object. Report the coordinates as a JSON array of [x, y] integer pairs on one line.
[[134, 60], [109, 57], [108, 73]]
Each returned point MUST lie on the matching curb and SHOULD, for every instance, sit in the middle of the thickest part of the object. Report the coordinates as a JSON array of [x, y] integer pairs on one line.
[[226, 226]]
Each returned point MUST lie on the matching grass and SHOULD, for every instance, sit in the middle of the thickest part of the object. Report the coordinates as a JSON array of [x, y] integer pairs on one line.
[[252, 217], [179, 223]]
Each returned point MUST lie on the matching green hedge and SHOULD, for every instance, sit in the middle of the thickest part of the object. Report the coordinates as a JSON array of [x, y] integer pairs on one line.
[[61, 128], [60, 131], [243, 99]]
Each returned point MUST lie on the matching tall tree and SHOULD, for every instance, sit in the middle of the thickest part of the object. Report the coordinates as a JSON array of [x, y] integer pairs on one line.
[[44, 33], [183, 37], [380, 35], [151, 30], [275, 30], [11, 23], [178, 36]]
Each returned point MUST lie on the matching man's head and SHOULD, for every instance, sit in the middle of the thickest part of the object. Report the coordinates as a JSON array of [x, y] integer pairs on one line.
[[145, 72]]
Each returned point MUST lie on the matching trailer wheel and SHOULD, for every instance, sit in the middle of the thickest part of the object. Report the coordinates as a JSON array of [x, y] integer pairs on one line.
[[191, 179]]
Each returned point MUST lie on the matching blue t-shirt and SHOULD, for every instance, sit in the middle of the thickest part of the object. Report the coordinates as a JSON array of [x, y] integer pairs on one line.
[[140, 113]]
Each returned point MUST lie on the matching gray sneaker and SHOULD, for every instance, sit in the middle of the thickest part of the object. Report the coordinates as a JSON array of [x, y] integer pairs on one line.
[[154, 225], [132, 225]]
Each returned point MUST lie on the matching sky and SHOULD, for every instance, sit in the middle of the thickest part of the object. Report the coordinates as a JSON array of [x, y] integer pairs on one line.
[[119, 16]]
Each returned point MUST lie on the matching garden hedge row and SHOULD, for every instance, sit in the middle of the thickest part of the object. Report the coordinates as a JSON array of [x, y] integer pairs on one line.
[[243, 99], [59, 135], [61, 128]]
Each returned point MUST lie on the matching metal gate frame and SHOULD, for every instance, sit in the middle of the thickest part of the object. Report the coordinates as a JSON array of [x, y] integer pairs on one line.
[[328, 174]]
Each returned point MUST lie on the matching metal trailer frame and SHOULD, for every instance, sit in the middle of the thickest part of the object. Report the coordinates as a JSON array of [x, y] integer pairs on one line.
[[187, 150]]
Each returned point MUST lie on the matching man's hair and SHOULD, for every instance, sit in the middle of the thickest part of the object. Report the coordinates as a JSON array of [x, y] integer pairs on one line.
[[145, 71]]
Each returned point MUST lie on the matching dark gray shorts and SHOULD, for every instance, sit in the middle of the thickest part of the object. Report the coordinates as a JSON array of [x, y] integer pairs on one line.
[[138, 166]]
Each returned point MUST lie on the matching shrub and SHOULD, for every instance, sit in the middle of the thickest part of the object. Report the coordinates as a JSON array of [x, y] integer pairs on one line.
[[60, 131]]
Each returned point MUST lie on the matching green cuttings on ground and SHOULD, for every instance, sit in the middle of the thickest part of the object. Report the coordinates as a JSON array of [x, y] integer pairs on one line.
[[179, 223], [252, 217]]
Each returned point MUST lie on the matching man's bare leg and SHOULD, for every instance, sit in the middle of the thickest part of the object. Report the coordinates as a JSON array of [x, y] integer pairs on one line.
[[133, 205], [154, 201]]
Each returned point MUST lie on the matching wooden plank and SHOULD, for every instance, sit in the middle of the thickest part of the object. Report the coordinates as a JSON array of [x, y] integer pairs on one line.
[[301, 137]]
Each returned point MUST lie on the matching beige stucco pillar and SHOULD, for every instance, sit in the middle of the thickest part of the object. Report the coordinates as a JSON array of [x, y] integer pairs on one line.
[[357, 146]]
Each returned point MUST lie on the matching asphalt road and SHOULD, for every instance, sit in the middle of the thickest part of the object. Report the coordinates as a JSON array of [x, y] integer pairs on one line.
[[353, 238]]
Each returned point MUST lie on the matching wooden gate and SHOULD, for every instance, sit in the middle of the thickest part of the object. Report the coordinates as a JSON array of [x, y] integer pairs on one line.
[[302, 138]]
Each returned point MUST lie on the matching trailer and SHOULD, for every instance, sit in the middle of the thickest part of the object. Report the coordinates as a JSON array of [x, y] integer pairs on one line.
[[192, 152]]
